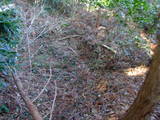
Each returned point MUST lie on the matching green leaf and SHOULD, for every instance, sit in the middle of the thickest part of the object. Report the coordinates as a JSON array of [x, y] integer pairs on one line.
[[4, 108]]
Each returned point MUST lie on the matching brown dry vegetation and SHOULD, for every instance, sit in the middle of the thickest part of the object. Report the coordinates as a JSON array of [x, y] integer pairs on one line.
[[92, 81]]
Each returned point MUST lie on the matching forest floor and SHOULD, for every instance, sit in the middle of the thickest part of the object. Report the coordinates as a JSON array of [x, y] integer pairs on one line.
[[72, 65]]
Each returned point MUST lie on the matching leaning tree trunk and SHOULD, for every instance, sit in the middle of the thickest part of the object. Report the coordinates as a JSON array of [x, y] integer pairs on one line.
[[149, 93]]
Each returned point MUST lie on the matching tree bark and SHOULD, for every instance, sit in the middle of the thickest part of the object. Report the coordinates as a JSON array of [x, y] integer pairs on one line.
[[149, 94]]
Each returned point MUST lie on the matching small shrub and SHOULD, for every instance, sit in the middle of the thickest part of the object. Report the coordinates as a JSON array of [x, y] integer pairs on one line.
[[10, 34]]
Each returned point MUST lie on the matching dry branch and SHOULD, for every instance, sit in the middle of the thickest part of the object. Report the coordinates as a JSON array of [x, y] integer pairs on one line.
[[54, 100], [48, 81]]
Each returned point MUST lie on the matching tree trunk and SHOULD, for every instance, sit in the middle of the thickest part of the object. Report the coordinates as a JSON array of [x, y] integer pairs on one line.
[[149, 93]]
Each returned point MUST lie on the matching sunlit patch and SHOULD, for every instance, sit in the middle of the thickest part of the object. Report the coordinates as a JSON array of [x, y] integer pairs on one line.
[[137, 71], [144, 36]]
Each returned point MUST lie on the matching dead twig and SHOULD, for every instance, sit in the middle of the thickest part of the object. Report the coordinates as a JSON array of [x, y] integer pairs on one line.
[[70, 48], [48, 81], [109, 48], [54, 100], [68, 37]]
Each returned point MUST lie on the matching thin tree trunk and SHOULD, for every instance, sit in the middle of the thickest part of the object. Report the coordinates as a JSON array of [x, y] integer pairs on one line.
[[98, 17], [149, 93], [32, 108]]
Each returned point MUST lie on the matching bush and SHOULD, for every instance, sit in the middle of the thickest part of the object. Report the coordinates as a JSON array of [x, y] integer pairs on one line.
[[10, 34], [9, 38]]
